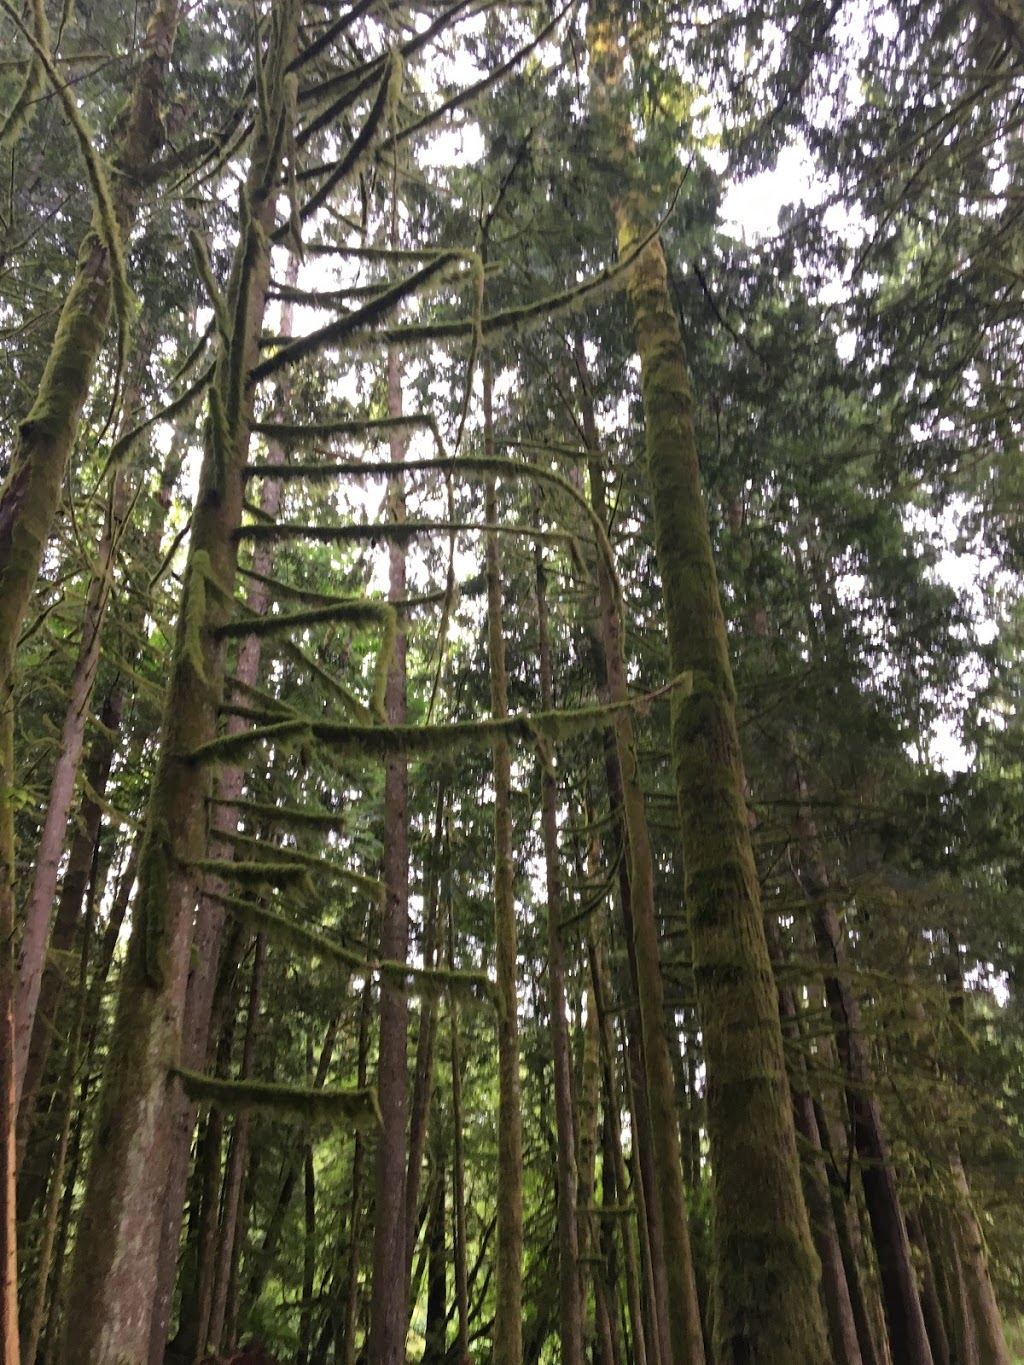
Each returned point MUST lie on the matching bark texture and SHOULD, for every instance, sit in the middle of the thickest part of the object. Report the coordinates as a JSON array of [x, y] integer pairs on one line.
[[388, 1313], [508, 1328], [115, 1273], [766, 1307]]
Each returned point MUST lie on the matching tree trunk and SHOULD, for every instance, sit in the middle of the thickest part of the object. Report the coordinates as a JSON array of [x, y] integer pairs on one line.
[[437, 1275], [388, 1310], [908, 1334], [766, 1272], [570, 1307], [28, 503], [114, 1282], [210, 916], [507, 1332], [238, 1161], [459, 1170], [675, 1300], [835, 1290], [423, 1076]]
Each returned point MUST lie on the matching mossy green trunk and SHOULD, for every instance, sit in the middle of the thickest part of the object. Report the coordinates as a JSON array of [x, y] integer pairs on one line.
[[28, 503], [766, 1307], [677, 1314], [114, 1278]]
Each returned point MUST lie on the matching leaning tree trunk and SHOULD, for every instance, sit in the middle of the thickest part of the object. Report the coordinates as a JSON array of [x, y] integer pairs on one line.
[[765, 1268], [114, 1280], [508, 1327]]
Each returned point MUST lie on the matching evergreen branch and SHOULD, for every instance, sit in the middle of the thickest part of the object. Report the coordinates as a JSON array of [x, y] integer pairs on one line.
[[401, 532], [312, 862], [387, 97], [294, 817], [362, 319], [356, 611], [104, 216], [396, 741], [22, 110], [285, 1103], [469, 986]]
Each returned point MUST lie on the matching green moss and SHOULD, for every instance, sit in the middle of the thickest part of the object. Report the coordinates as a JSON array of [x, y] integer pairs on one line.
[[202, 259], [312, 862], [395, 741], [24, 105], [290, 817], [315, 1109], [466, 985], [194, 611], [362, 320], [356, 611]]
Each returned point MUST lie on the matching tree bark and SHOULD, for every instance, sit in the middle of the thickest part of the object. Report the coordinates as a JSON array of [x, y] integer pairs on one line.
[[765, 1269], [388, 1310], [114, 1282], [570, 1306], [676, 1311], [210, 916], [908, 1334], [507, 1332]]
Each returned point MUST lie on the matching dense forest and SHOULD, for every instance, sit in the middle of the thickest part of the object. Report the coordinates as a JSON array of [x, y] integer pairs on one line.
[[511, 821]]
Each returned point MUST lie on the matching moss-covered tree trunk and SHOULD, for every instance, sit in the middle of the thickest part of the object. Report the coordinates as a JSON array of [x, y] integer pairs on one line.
[[613, 1129], [210, 916], [388, 1311], [28, 502], [508, 1278], [570, 1304], [765, 1272], [674, 1286], [114, 1280]]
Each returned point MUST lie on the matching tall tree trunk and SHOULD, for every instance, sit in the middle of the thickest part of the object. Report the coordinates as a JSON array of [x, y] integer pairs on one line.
[[423, 1074], [835, 1290], [51, 1217], [38, 911], [345, 1343], [508, 1333], [210, 916], [904, 1315], [607, 1051], [459, 1162], [765, 1269], [238, 1161], [570, 1307], [437, 1274], [388, 1311], [28, 503], [114, 1281], [675, 1299]]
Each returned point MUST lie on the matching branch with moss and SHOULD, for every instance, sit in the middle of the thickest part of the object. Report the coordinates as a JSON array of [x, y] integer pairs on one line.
[[316, 1109], [394, 741], [469, 986]]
